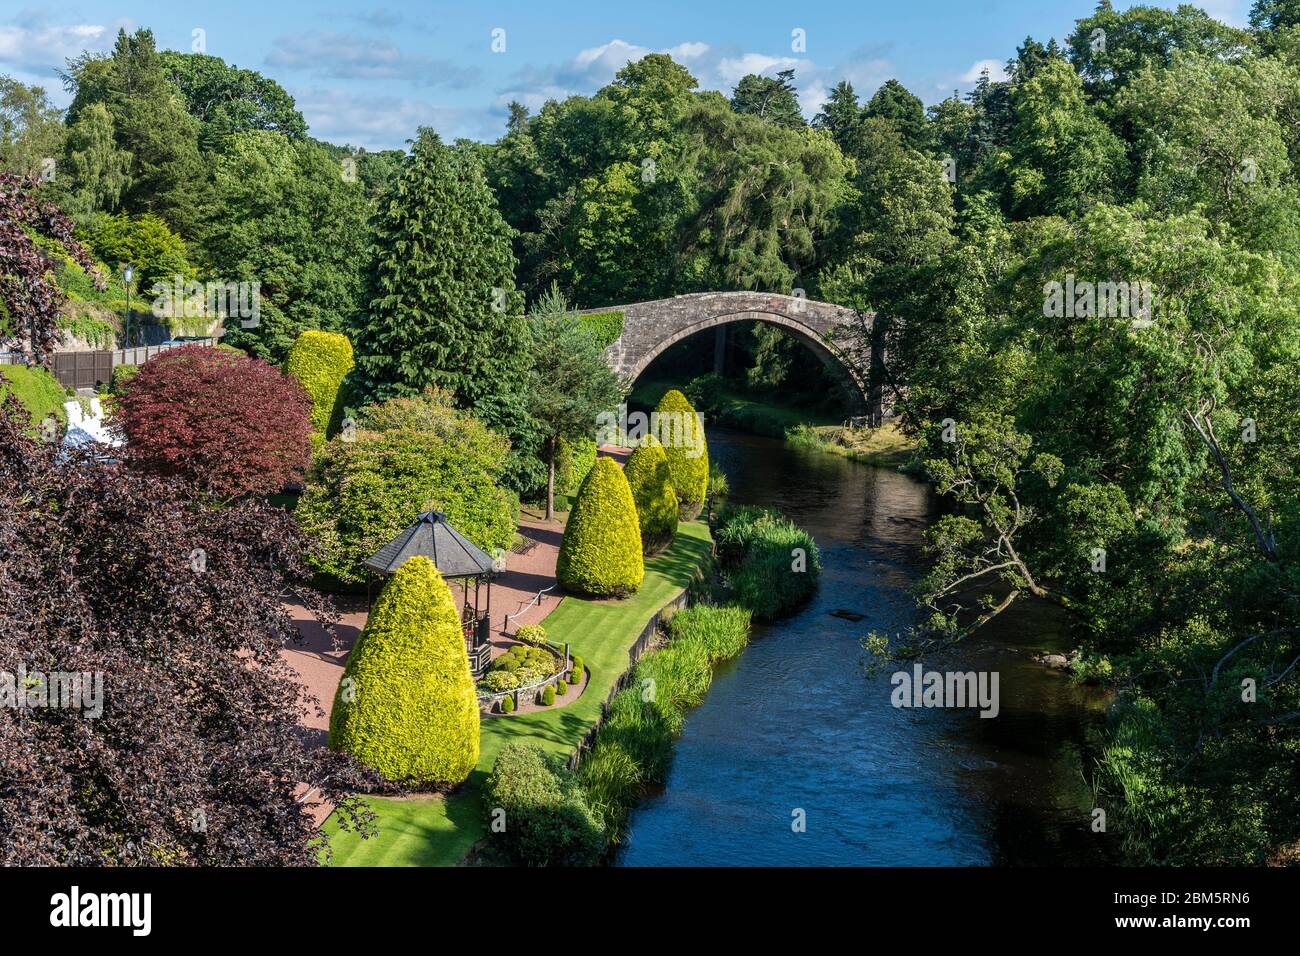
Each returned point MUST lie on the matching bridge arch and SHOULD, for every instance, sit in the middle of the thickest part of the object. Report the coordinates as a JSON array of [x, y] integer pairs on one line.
[[649, 328]]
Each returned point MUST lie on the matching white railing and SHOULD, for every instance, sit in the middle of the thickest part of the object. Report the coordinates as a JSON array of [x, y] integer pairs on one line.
[[531, 604]]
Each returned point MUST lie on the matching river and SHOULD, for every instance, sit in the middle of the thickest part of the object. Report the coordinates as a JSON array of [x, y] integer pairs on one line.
[[794, 724]]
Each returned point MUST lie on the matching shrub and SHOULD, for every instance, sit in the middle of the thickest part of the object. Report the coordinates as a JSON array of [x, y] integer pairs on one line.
[[228, 424], [39, 392], [548, 695], [606, 327], [321, 361], [495, 681], [531, 634], [507, 705], [656, 502], [576, 669], [408, 456], [707, 391], [547, 819], [406, 705], [600, 553], [561, 687], [687, 451], [121, 378]]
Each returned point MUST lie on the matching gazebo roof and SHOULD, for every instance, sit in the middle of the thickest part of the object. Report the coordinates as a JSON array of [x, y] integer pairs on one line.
[[454, 555]]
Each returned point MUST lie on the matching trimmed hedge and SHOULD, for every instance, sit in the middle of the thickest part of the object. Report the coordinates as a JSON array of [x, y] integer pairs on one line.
[[537, 815], [606, 327], [406, 704], [38, 391], [759, 548], [656, 501], [321, 361], [688, 467], [600, 554]]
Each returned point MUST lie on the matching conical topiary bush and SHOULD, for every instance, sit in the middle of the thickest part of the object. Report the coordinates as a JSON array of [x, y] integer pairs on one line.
[[680, 431], [406, 704], [321, 361], [652, 490], [600, 554]]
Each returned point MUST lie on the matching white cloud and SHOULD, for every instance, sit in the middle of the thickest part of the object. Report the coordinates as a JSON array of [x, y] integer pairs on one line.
[[386, 122], [731, 69], [347, 56], [996, 68], [33, 46]]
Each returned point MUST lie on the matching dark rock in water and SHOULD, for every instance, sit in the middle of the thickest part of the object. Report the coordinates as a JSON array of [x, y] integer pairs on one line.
[[847, 615], [1055, 661]]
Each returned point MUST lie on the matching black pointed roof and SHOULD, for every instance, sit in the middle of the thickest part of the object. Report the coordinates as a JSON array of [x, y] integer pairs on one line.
[[454, 555]]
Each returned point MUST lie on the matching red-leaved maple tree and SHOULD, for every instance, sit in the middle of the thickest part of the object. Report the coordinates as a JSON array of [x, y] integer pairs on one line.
[[228, 424]]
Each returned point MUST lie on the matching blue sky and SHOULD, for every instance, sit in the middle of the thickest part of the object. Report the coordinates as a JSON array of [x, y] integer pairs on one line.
[[369, 75]]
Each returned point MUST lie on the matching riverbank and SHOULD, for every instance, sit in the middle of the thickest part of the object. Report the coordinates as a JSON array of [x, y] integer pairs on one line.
[[883, 447], [800, 427], [434, 830]]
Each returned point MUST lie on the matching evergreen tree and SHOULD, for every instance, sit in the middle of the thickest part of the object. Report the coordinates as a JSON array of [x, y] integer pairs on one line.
[[893, 102], [841, 115], [440, 303], [769, 98]]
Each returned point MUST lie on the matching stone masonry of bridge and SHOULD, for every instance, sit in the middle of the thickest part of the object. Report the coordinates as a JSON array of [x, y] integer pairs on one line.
[[651, 327]]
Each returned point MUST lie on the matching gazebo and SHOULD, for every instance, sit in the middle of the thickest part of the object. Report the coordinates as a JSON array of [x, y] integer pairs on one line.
[[457, 559]]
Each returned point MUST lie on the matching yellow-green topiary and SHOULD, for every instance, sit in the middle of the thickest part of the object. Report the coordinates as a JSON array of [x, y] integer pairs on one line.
[[406, 705], [600, 554], [652, 490], [680, 430], [321, 361]]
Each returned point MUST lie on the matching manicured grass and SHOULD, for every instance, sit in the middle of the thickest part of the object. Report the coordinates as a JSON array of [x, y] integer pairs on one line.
[[439, 832]]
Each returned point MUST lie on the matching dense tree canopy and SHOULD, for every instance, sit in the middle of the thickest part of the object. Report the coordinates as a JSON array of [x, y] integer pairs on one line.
[[172, 611]]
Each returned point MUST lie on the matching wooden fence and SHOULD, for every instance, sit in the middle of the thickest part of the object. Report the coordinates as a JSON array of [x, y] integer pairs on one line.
[[89, 369]]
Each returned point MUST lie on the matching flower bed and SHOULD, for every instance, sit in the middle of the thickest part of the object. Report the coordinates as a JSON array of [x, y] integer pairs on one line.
[[523, 673]]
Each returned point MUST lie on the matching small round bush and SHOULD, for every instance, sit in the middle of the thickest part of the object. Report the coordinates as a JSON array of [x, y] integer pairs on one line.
[[531, 634], [561, 687], [496, 681], [507, 705], [576, 669], [600, 554], [548, 696]]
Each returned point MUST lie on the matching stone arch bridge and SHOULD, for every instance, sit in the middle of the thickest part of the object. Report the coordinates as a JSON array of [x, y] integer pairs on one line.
[[649, 328]]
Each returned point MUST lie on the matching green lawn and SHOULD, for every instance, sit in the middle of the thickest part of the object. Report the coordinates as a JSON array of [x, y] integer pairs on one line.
[[439, 832]]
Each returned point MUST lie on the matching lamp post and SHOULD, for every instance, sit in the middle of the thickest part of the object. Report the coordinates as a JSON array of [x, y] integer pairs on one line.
[[128, 274]]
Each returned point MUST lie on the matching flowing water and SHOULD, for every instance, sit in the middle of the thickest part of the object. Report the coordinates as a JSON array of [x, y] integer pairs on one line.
[[794, 724]]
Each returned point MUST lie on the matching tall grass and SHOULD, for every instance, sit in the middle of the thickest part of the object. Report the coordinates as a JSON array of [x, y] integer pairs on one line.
[[634, 746], [771, 563]]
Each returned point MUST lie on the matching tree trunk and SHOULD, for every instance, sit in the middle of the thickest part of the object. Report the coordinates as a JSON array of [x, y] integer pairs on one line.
[[550, 479]]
